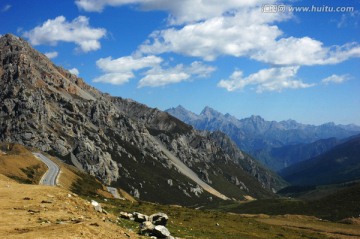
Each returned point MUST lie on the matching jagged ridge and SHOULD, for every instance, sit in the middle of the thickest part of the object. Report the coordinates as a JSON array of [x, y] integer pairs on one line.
[[44, 106], [266, 140]]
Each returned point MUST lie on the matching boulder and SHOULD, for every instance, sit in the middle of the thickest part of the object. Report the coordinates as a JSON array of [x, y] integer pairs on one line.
[[146, 228], [126, 215], [96, 206], [161, 232], [139, 217], [159, 218]]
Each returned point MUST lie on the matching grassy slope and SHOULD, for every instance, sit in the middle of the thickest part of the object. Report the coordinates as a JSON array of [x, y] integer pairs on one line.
[[191, 223], [342, 204], [19, 163], [340, 164]]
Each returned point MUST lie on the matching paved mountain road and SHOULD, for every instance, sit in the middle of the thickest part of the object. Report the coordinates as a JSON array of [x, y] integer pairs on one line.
[[49, 178]]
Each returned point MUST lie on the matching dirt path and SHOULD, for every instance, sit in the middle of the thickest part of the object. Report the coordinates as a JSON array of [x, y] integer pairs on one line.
[[186, 170]]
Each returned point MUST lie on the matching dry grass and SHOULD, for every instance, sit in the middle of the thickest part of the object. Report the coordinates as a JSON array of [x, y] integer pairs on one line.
[[190, 223], [34, 211], [70, 175], [309, 223], [20, 164]]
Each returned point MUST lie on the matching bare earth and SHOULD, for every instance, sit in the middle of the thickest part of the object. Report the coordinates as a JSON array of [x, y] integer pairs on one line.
[[34, 211]]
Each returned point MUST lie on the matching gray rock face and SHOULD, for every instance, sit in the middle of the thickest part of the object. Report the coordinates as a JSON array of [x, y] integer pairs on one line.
[[46, 107]]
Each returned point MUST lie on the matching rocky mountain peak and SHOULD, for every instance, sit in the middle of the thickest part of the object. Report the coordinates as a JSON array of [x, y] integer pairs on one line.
[[122, 142], [180, 108], [210, 112], [265, 139], [256, 118], [33, 70]]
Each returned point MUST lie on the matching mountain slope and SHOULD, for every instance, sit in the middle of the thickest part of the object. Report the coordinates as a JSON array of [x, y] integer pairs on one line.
[[292, 154], [338, 165], [46, 107], [266, 140], [29, 211]]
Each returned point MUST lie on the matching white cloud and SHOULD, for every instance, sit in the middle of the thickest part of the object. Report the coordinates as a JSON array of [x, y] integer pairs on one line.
[[119, 71], [336, 79], [52, 54], [6, 8], [232, 28], [305, 51], [159, 76], [235, 35], [246, 33], [180, 11], [77, 31], [272, 79], [74, 71]]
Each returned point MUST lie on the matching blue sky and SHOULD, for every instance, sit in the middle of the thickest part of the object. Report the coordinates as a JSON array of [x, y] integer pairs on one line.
[[229, 55]]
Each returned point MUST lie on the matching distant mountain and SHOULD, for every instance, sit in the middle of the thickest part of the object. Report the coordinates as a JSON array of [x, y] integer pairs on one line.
[[291, 154], [338, 165], [145, 151], [267, 140]]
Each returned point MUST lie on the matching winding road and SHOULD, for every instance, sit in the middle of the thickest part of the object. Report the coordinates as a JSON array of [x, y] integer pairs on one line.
[[49, 178]]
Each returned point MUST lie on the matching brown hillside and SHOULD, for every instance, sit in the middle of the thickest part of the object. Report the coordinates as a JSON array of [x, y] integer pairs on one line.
[[18, 163], [32, 211]]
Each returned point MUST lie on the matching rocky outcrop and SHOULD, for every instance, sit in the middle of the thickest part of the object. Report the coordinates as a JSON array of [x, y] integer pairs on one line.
[[45, 107], [153, 226], [159, 218]]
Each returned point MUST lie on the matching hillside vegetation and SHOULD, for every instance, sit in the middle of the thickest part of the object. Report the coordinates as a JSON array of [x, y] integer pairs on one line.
[[20, 164], [338, 165]]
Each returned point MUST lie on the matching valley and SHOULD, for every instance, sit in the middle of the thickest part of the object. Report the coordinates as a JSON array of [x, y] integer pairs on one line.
[[215, 176], [275, 144], [70, 214]]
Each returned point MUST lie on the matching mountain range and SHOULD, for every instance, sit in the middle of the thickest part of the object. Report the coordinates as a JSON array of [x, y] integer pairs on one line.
[[340, 164], [276, 144], [149, 153]]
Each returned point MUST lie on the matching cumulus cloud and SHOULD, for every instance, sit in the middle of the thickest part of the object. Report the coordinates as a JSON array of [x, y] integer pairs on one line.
[[272, 79], [305, 51], [77, 31], [119, 71], [237, 35], [52, 54], [208, 29], [246, 33], [335, 79], [74, 71], [180, 11], [159, 76]]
